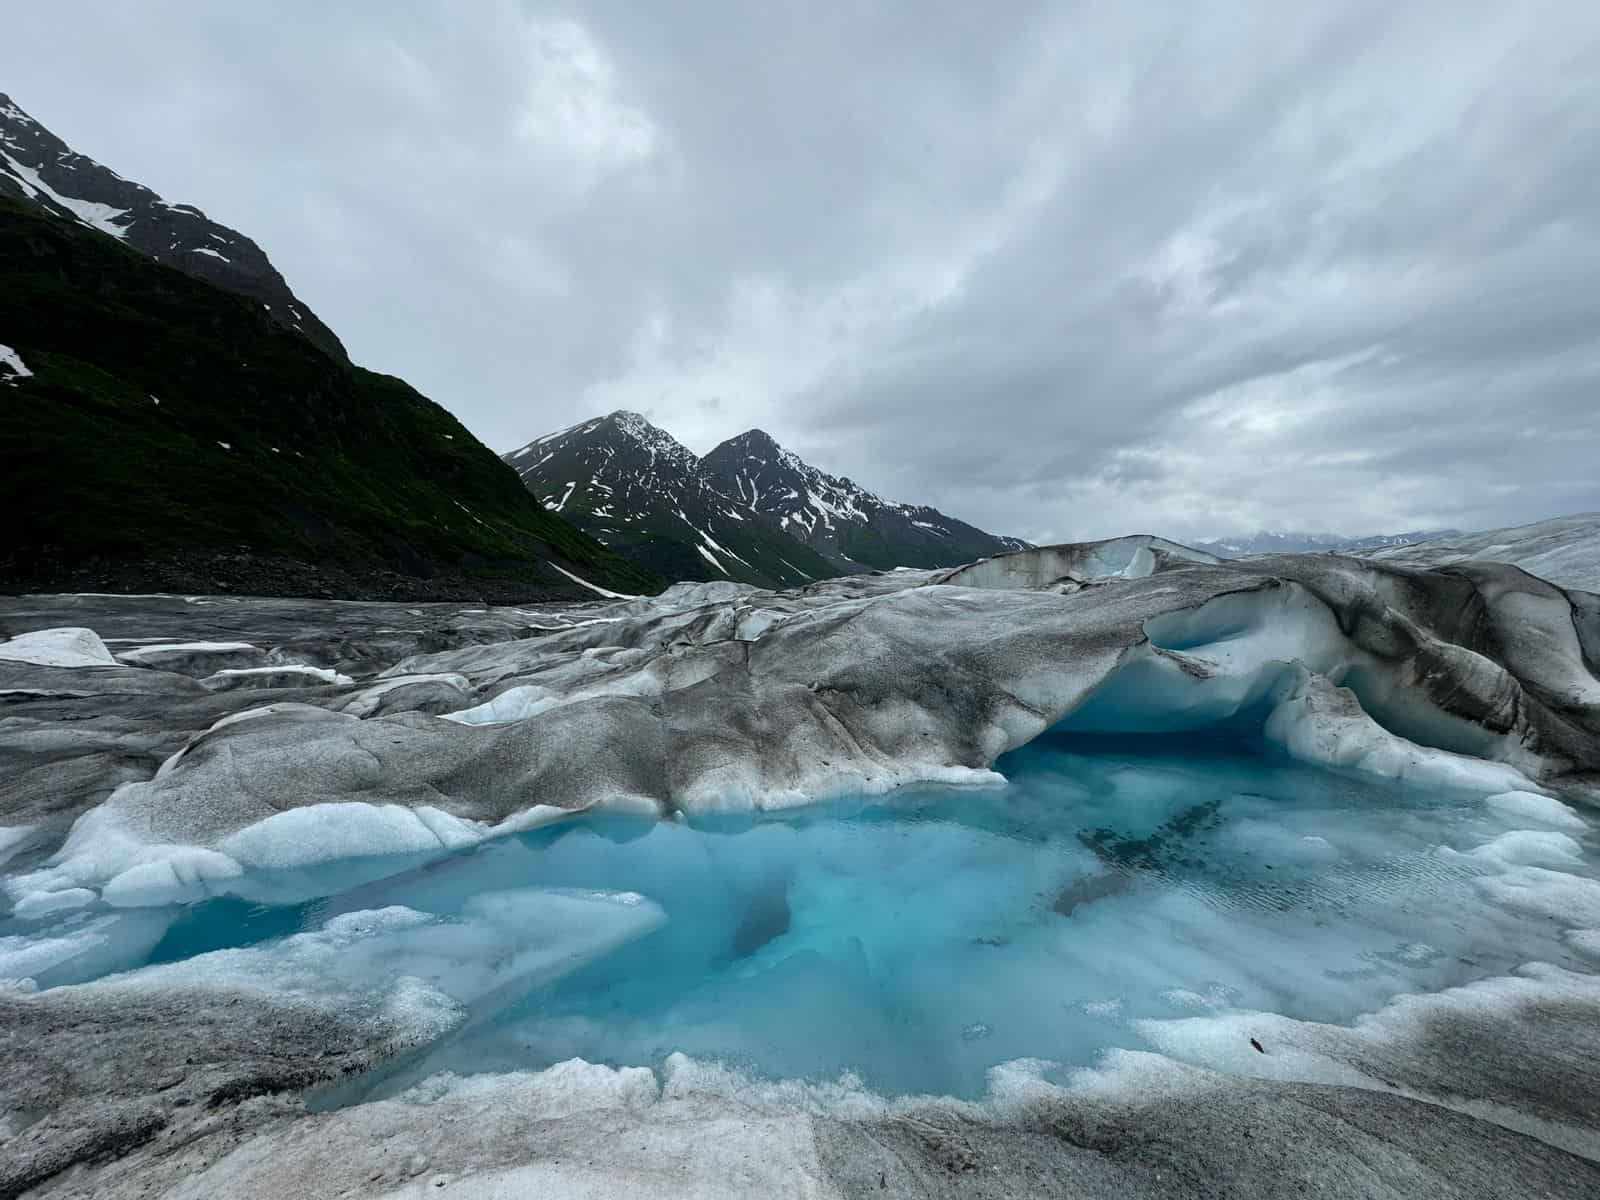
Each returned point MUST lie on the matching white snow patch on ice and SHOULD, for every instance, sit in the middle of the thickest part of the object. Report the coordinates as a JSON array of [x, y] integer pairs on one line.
[[143, 654], [66, 647], [87, 947], [131, 872], [1526, 848], [513, 704], [1556, 895], [38, 904], [1530, 806], [309, 674], [1319, 723], [323, 832]]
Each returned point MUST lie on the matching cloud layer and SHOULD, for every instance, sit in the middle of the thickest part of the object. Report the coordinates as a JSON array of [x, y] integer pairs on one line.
[[1063, 270]]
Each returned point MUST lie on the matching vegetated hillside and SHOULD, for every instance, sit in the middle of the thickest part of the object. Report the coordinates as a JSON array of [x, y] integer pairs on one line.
[[171, 435]]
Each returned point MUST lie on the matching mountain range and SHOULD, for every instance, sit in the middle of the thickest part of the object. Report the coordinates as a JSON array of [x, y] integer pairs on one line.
[[175, 419], [749, 510]]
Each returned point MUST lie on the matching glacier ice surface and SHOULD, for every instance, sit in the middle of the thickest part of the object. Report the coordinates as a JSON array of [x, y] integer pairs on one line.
[[65, 647], [1221, 801]]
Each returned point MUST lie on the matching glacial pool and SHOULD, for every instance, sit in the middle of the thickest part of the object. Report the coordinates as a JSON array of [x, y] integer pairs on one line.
[[912, 940]]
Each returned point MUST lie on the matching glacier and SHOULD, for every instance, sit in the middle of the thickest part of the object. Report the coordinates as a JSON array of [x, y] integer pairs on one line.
[[1564, 550], [1062, 865]]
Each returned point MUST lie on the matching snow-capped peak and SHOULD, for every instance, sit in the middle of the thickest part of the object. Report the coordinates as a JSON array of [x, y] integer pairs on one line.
[[756, 469], [832, 513], [749, 510], [652, 438]]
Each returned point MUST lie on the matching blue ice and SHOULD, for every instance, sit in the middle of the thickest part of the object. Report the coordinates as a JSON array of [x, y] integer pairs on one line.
[[917, 939]]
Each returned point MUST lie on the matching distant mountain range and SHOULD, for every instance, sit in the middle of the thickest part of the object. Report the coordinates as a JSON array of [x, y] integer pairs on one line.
[[187, 427], [749, 510], [39, 167], [1265, 542]]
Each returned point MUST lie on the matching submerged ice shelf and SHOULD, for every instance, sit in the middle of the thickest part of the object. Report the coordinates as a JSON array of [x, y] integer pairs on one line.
[[913, 941]]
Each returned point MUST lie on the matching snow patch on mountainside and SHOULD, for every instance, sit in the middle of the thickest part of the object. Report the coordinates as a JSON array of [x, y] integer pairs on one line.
[[593, 587], [98, 216], [12, 367], [40, 169], [844, 521]]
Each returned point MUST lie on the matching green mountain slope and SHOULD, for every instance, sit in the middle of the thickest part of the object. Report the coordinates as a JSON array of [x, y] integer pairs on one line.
[[174, 435]]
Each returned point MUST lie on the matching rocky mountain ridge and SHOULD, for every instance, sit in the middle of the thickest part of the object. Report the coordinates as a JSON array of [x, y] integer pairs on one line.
[[749, 510], [638, 490], [38, 168], [844, 522]]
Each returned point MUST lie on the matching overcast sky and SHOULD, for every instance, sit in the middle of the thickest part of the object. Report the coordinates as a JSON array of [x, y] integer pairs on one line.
[[1063, 270]]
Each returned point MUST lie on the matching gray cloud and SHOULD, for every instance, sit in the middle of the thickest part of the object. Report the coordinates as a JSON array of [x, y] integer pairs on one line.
[[1063, 270]]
